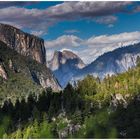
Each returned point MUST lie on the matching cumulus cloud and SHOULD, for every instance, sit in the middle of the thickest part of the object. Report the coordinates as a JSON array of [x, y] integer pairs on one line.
[[72, 10], [64, 41], [32, 19], [41, 19], [115, 40], [38, 33], [95, 46], [21, 16]]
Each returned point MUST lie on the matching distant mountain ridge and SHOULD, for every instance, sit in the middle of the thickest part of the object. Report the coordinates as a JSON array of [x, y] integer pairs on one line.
[[68, 67], [117, 61], [65, 64]]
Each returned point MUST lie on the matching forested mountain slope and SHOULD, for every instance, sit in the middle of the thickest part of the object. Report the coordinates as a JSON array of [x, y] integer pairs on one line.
[[21, 75]]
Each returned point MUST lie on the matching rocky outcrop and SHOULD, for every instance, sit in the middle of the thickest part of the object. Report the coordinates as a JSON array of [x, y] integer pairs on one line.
[[65, 57], [119, 99], [23, 43], [69, 129], [65, 64], [45, 80], [3, 73]]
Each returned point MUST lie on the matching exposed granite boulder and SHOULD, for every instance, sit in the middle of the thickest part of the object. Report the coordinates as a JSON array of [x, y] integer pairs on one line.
[[117, 99], [69, 129]]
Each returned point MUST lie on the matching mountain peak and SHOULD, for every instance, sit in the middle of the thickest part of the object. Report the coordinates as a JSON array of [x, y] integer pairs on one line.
[[65, 64], [61, 57], [69, 54]]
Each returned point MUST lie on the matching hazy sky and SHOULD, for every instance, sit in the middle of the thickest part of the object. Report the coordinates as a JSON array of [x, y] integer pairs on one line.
[[87, 28]]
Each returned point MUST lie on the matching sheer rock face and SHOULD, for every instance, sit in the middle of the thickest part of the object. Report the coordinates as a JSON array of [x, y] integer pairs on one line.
[[23, 43], [64, 65], [64, 57]]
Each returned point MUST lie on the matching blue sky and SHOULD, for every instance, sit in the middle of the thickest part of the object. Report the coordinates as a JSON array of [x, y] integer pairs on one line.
[[87, 28]]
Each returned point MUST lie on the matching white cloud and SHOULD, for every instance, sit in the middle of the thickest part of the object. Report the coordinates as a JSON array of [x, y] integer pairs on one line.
[[41, 19], [114, 39], [106, 20], [71, 10], [93, 47], [64, 41], [32, 19], [38, 33]]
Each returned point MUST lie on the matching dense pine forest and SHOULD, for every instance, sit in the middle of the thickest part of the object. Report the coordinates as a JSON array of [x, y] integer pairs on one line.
[[92, 108]]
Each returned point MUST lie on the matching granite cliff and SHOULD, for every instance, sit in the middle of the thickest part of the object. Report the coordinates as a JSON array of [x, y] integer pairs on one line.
[[18, 45], [23, 43]]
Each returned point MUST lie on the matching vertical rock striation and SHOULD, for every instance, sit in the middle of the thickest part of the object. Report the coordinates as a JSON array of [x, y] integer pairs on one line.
[[23, 43]]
